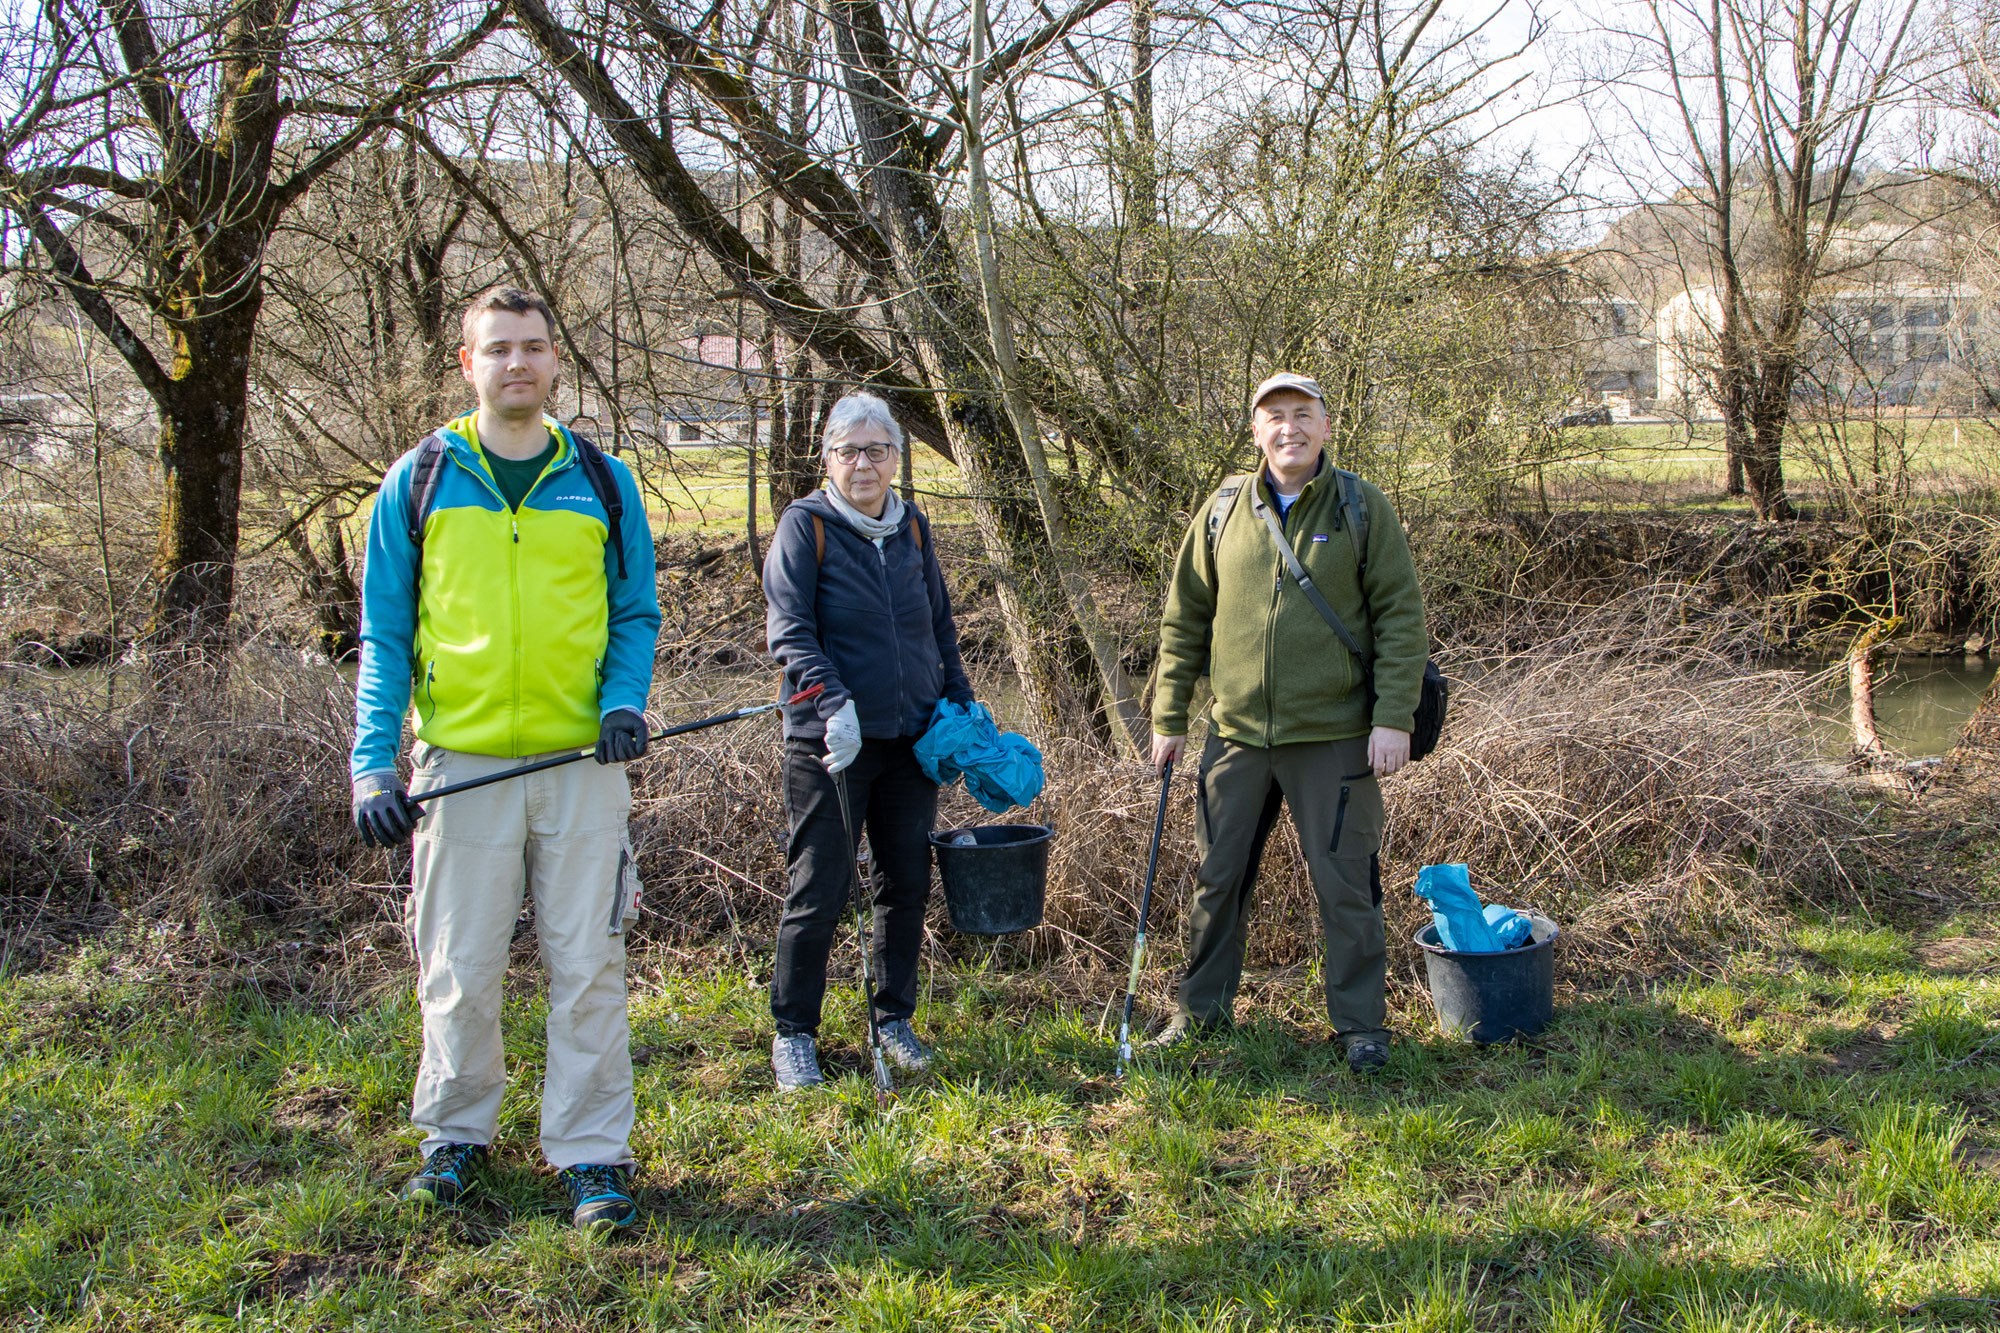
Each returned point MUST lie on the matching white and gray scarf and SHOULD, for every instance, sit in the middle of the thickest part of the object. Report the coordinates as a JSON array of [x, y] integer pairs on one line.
[[877, 530]]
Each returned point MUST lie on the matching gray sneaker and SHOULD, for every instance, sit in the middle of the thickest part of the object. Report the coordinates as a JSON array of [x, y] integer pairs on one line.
[[900, 1044], [795, 1060]]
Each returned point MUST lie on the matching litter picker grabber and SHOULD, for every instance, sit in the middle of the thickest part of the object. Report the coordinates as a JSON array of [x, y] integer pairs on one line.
[[557, 761], [885, 1088], [1145, 908]]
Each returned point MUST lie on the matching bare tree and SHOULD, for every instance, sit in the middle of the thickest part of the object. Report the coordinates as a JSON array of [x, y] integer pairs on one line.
[[1747, 122], [150, 157]]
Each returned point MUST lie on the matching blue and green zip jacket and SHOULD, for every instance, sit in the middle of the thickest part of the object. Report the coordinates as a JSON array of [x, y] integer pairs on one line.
[[520, 636]]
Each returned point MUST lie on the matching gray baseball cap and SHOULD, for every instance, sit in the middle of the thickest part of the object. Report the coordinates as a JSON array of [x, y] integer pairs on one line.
[[1285, 379]]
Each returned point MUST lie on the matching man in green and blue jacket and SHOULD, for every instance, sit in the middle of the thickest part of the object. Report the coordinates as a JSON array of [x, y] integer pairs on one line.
[[509, 595], [1294, 717]]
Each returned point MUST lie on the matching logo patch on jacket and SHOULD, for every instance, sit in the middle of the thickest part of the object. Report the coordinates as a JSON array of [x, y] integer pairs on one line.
[[1319, 536]]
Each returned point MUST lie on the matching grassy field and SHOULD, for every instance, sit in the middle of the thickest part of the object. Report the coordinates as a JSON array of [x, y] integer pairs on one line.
[[1803, 1138], [703, 488]]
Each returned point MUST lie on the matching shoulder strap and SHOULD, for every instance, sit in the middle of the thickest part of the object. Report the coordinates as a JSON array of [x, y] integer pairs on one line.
[[598, 471], [1222, 506], [916, 532], [1306, 585], [425, 474], [819, 540], [1354, 505]]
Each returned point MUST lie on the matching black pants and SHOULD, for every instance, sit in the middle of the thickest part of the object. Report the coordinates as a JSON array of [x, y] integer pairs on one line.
[[889, 796]]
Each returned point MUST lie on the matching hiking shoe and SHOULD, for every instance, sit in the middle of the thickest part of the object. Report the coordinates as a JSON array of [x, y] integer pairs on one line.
[[1184, 1030], [1367, 1056], [900, 1044], [795, 1061], [601, 1196], [446, 1175]]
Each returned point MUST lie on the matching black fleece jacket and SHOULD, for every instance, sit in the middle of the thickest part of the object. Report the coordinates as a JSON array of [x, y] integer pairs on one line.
[[873, 626]]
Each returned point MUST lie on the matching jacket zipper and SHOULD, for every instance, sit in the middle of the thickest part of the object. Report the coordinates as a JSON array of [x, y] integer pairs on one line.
[[889, 600], [514, 570]]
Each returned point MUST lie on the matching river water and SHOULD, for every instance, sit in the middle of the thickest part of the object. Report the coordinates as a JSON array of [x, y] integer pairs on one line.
[[1921, 703]]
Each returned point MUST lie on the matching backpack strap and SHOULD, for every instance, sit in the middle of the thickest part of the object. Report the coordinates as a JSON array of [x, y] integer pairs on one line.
[[1222, 506], [1354, 505], [916, 531], [425, 474], [819, 540], [597, 470]]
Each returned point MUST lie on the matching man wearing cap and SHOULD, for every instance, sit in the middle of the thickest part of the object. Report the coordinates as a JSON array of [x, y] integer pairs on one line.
[[1294, 718]]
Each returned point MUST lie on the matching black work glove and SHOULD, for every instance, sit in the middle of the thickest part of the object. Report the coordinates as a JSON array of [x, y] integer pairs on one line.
[[384, 814], [621, 736]]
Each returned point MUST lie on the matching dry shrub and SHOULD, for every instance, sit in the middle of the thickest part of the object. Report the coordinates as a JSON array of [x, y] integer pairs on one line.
[[1625, 776], [212, 800]]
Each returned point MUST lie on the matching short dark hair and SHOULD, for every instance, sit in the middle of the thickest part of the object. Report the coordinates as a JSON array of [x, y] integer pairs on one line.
[[502, 297]]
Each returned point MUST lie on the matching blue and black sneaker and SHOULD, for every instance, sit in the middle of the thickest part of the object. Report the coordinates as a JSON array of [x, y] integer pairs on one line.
[[601, 1195], [446, 1177]]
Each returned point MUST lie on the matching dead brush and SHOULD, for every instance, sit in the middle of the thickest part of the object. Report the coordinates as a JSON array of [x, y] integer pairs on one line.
[[204, 805], [1629, 777]]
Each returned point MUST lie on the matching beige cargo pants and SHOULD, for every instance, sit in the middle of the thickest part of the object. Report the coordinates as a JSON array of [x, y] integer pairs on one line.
[[564, 832]]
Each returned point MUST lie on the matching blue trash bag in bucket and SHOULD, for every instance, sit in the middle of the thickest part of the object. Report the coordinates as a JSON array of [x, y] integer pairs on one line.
[[1463, 924], [1001, 769]]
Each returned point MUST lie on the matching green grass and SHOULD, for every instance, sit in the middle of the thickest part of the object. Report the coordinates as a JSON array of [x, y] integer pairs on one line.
[[1802, 1140]]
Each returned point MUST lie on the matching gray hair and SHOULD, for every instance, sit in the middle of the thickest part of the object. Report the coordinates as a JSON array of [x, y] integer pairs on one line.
[[855, 411]]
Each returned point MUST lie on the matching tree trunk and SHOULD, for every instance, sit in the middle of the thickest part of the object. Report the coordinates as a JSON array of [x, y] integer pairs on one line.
[[1763, 458], [327, 586], [1116, 690], [201, 454], [1861, 689], [941, 316]]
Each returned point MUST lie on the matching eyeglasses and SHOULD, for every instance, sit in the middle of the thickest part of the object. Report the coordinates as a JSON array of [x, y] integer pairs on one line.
[[849, 454]]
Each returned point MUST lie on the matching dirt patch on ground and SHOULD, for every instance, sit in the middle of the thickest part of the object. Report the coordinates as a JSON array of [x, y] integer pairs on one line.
[[316, 1109], [295, 1274], [1960, 955], [1864, 1052]]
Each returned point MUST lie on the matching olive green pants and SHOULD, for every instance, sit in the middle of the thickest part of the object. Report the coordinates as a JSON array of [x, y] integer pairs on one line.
[[1336, 807]]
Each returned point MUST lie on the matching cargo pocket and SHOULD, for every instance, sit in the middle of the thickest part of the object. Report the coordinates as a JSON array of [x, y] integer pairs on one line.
[[625, 891]]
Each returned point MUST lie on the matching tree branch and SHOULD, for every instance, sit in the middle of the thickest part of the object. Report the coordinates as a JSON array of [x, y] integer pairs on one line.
[[74, 275], [417, 83], [659, 167]]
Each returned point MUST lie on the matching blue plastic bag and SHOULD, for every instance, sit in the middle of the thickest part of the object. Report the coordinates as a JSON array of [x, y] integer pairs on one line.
[[1455, 910], [1510, 927], [1001, 769]]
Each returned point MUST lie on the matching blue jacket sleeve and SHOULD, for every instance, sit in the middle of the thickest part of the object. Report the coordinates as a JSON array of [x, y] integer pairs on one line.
[[791, 617], [634, 618], [957, 686], [388, 628]]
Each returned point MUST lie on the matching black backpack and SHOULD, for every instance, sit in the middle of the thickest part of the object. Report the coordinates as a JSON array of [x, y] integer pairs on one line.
[[1434, 698], [428, 471]]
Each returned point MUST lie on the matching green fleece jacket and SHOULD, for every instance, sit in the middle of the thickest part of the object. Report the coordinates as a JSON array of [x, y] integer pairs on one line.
[[1278, 672]]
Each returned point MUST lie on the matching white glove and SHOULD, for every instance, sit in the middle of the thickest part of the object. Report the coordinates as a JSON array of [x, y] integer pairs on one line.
[[843, 738]]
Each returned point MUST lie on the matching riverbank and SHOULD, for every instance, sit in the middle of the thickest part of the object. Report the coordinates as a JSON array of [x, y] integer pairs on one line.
[[1801, 1135]]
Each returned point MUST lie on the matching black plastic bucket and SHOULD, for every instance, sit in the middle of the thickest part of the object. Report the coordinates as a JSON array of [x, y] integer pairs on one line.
[[996, 885], [1493, 996]]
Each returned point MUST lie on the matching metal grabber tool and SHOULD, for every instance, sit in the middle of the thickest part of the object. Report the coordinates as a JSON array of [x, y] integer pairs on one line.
[[1145, 908], [885, 1088], [557, 761]]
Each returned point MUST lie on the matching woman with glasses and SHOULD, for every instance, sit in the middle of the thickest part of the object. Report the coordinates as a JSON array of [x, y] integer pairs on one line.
[[857, 605]]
